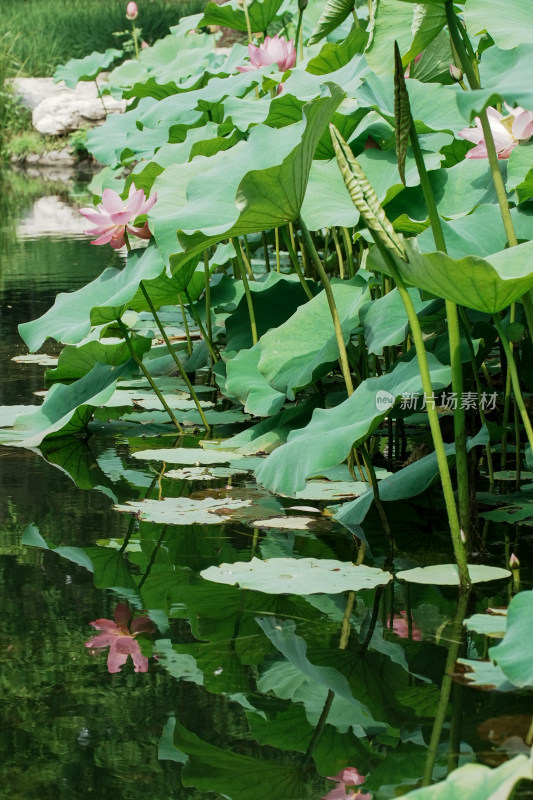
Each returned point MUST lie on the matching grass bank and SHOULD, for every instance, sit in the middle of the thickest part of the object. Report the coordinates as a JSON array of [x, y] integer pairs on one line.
[[40, 34]]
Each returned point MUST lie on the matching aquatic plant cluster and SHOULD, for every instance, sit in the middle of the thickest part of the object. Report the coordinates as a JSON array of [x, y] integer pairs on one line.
[[340, 256]]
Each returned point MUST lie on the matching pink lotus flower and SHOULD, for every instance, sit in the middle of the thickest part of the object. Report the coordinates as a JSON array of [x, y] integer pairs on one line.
[[119, 636], [346, 778], [401, 628], [507, 131], [132, 12], [407, 73], [113, 216], [274, 50]]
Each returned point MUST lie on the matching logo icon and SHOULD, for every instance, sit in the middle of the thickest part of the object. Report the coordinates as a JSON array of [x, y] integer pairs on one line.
[[384, 400]]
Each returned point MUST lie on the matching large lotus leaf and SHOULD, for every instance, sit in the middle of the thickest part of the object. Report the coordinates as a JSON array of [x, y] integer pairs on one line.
[[483, 284], [407, 482], [328, 439], [327, 202], [85, 69], [74, 362], [297, 576], [303, 348], [514, 655], [231, 15], [274, 301], [503, 77], [412, 28], [257, 185], [487, 624], [335, 55], [476, 782], [333, 14], [385, 320], [194, 457], [434, 107], [520, 172], [66, 409], [214, 769], [245, 383], [480, 233], [448, 574], [508, 27]]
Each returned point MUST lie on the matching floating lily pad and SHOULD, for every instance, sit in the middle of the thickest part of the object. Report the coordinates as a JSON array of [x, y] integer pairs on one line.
[[448, 574], [331, 490], [291, 523], [489, 624], [297, 576], [196, 457], [42, 359], [203, 473], [483, 675], [184, 511]]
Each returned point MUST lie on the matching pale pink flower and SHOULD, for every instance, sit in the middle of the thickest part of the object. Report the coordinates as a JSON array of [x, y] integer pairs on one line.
[[119, 636], [345, 779], [114, 215], [407, 73], [144, 45], [274, 50], [132, 12], [507, 131], [401, 628]]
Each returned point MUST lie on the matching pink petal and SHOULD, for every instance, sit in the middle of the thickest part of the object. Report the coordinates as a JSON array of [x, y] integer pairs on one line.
[[349, 775], [142, 625], [142, 232], [105, 238], [147, 205], [341, 793], [103, 640], [474, 135], [107, 625], [117, 241], [122, 615], [478, 152], [112, 202], [95, 216], [115, 659], [523, 125], [246, 68]]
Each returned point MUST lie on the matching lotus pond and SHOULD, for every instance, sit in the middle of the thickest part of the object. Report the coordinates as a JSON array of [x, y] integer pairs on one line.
[[265, 444]]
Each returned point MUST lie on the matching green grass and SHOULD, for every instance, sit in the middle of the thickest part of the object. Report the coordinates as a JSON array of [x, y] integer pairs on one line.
[[40, 34]]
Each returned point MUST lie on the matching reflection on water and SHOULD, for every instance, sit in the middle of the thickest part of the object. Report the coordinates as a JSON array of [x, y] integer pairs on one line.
[[237, 682]]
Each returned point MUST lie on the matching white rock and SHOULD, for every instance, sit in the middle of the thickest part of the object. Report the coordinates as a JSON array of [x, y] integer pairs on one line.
[[51, 216]]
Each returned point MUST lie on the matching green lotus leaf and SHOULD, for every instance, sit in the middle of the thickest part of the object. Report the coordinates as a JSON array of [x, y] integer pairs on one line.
[[385, 320], [448, 574], [478, 782], [484, 284], [85, 69], [514, 656], [185, 511], [508, 30], [298, 576], [484, 675], [488, 624], [231, 15], [333, 14], [328, 439], [503, 77]]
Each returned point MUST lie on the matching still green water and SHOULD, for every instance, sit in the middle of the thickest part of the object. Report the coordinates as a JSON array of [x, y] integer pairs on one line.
[[245, 705]]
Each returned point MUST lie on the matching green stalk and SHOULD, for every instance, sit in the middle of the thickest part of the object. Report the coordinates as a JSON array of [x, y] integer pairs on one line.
[[454, 337], [198, 321], [147, 375], [343, 356], [247, 292], [339, 252], [134, 37], [348, 249], [276, 236], [207, 293], [174, 356], [294, 260], [185, 326], [100, 96], [507, 397], [375, 489], [299, 42], [456, 637], [515, 381], [265, 251]]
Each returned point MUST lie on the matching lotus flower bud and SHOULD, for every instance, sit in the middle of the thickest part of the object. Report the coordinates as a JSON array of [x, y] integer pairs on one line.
[[302, 5], [132, 12], [144, 45], [456, 73], [514, 563]]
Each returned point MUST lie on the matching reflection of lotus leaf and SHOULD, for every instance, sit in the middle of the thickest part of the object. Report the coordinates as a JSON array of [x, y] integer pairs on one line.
[[298, 576]]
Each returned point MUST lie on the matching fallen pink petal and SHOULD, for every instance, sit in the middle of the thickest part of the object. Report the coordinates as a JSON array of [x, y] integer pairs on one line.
[[114, 216], [119, 635]]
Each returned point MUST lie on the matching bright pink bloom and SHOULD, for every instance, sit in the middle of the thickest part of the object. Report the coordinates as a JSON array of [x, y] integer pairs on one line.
[[274, 50], [114, 215], [507, 131], [119, 636], [346, 778], [401, 627], [132, 12]]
